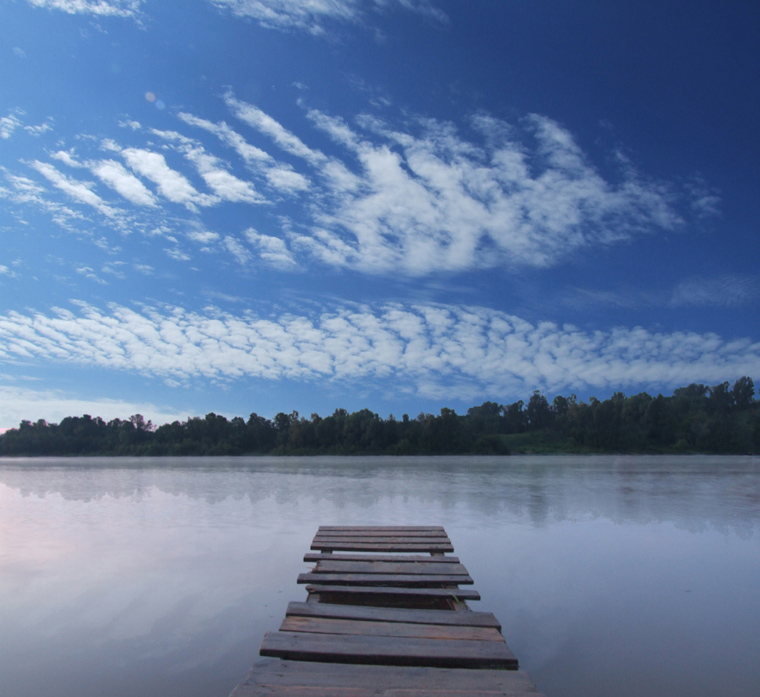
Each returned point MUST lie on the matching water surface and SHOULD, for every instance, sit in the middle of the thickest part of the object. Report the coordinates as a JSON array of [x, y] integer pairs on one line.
[[611, 575]]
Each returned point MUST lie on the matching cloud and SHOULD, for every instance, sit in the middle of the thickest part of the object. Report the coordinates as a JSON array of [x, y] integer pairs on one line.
[[727, 291], [67, 157], [89, 272], [44, 127], [411, 197], [100, 8], [280, 176], [272, 250], [120, 180], [24, 191], [80, 191], [248, 152], [312, 16], [585, 298], [203, 236], [9, 123], [237, 250], [172, 184], [289, 142], [461, 351], [19, 403], [705, 200], [425, 199], [226, 186], [177, 254]]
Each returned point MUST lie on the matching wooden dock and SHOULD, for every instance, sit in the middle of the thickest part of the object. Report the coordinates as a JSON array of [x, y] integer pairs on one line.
[[386, 617]]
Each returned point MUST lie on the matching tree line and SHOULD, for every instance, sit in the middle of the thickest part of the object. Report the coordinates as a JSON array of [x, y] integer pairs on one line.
[[719, 419]]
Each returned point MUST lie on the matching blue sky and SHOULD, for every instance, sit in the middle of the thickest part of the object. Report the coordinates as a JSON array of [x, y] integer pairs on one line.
[[269, 205]]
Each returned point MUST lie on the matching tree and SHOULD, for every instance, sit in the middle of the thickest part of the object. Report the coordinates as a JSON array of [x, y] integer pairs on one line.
[[538, 412], [743, 393]]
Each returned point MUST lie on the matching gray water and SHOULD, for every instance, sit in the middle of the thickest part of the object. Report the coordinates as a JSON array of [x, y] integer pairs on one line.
[[611, 575]]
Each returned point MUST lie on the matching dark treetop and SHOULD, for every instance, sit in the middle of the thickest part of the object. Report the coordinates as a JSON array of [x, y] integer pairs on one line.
[[697, 418]]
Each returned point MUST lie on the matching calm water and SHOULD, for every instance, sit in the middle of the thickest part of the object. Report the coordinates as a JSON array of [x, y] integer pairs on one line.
[[611, 575]]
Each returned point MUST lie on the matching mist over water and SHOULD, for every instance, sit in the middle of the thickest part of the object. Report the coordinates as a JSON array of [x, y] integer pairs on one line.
[[610, 575]]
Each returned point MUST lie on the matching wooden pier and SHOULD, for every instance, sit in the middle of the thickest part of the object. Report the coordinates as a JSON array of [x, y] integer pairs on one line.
[[386, 617]]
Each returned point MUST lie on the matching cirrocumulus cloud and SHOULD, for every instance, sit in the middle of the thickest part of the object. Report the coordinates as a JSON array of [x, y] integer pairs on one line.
[[433, 350]]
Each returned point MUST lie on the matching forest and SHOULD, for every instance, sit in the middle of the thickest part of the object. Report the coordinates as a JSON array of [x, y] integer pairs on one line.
[[721, 419]]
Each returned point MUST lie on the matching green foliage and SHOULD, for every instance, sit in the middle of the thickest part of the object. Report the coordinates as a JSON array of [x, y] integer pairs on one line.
[[697, 418]]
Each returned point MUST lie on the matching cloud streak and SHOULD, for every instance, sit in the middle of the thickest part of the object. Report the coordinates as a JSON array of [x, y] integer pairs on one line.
[[99, 8], [312, 16], [432, 350], [8, 124], [427, 199], [726, 291], [114, 174], [413, 198], [80, 191]]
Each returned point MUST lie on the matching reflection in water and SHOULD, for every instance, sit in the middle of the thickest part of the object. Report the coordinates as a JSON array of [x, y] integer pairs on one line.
[[690, 491], [148, 577]]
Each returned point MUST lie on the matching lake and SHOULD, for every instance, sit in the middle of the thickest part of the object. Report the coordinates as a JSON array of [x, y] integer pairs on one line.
[[611, 575]]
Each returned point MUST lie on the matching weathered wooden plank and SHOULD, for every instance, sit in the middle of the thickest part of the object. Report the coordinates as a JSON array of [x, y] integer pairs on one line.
[[271, 671], [388, 651], [367, 528], [402, 580], [382, 532], [388, 539], [385, 614], [339, 546], [304, 691], [446, 593], [423, 568], [391, 558], [318, 625]]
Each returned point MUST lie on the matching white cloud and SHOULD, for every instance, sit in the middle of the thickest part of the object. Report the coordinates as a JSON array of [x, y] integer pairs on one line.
[[272, 250], [41, 128], [24, 191], [284, 178], [172, 184], [123, 182], [67, 157], [19, 403], [468, 351], [78, 190], [426, 199], [727, 291], [289, 142], [203, 236], [89, 272], [311, 16], [237, 250], [224, 184], [248, 152], [100, 8], [177, 254], [9, 123], [115, 268], [412, 198], [280, 176]]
